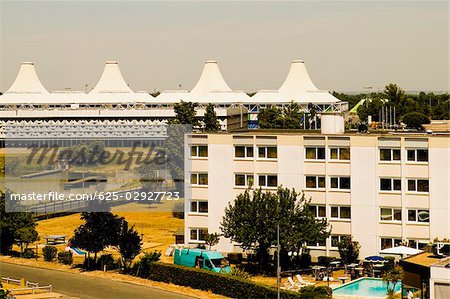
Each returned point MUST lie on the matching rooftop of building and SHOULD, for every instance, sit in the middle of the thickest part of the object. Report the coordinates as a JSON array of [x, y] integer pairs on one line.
[[425, 259], [301, 132]]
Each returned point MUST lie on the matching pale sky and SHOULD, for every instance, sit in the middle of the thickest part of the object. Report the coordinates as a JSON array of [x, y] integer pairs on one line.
[[159, 45]]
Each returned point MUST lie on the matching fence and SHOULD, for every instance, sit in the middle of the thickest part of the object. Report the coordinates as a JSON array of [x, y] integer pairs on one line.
[[32, 287]]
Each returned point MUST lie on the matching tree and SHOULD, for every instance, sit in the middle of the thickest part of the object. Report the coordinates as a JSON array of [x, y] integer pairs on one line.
[[129, 245], [185, 114], [212, 240], [270, 118], [3, 292], [25, 236], [415, 120], [210, 120], [99, 231], [348, 250], [441, 110], [391, 278], [292, 116], [252, 220], [13, 226]]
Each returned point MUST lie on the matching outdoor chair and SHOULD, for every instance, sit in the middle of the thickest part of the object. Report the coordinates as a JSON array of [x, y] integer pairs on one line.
[[302, 281]]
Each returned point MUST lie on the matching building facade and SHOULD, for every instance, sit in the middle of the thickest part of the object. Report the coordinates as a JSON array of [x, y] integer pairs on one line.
[[383, 189]]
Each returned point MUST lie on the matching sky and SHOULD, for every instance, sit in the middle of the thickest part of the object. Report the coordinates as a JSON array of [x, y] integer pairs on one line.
[[160, 45]]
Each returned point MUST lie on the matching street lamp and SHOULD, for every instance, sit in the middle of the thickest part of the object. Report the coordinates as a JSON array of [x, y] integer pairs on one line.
[[278, 260]]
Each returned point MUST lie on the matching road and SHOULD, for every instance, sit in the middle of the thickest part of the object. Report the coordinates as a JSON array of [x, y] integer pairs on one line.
[[82, 286]]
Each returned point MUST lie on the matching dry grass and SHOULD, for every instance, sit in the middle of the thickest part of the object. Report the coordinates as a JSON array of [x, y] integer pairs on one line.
[[157, 228]]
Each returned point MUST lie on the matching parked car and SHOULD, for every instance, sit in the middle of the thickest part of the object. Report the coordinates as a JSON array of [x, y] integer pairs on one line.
[[202, 259]]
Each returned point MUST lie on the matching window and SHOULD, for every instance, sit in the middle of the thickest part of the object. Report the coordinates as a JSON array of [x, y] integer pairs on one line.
[[336, 239], [417, 185], [340, 183], [318, 211], [340, 153], [390, 242], [241, 151], [389, 184], [315, 182], [390, 214], [267, 180], [199, 206], [267, 152], [315, 153], [245, 180], [388, 154], [199, 179], [318, 244], [198, 234], [422, 216], [417, 244], [417, 155], [341, 212], [199, 151]]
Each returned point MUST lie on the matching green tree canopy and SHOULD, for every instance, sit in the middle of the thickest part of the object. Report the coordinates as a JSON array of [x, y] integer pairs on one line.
[[211, 124], [15, 226], [129, 244], [252, 219], [415, 120], [99, 231], [186, 114], [348, 250]]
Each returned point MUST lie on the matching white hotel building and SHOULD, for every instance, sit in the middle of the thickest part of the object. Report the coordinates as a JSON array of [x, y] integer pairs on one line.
[[380, 188]]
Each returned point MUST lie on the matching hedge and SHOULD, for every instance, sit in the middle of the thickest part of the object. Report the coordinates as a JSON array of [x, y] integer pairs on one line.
[[226, 285]]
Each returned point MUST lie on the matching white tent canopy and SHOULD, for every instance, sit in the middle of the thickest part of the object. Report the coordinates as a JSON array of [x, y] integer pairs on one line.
[[111, 88], [401, 250], [210, 80], [26, 88], [297, 87], [210, 88]]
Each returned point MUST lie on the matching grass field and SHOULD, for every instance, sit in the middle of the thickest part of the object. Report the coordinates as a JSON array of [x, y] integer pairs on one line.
[[156, 228]]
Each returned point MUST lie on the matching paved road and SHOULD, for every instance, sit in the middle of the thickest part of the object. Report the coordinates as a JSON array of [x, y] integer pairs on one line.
[[86, 287]]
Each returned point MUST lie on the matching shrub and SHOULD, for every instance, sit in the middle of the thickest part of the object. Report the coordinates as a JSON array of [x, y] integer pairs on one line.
[[49, 253], [234, 258], [305, 261], [325, 260], [142, 267], [65, 257], [415, 120], [312, 292], [390, 262], [223, 284], [29, 253], [107, 260], [90, 264], [239, 273]]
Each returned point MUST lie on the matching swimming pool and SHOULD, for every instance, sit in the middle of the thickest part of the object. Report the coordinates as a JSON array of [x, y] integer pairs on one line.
[[368, 287]]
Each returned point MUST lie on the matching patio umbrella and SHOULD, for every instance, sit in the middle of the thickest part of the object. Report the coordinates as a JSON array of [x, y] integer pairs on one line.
[[402, 250], [375, 258]]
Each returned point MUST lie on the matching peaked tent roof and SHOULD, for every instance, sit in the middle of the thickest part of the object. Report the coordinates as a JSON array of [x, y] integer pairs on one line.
[[27, 81], [26, 88], [297, 81], [210, 88], [210, 80], [297, 87], [111, 88]]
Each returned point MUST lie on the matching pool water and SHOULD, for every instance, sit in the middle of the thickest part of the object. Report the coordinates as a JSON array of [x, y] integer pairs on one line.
[[369, 287]]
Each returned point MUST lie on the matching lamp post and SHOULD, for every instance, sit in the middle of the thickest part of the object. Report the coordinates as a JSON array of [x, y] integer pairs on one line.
[[278, 260]]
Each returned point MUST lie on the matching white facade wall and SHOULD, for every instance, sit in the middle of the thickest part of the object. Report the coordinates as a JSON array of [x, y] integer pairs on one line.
[[364, 196]]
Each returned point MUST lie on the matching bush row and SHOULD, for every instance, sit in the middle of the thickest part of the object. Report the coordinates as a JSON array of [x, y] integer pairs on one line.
[[50, 253], [226, 285]]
